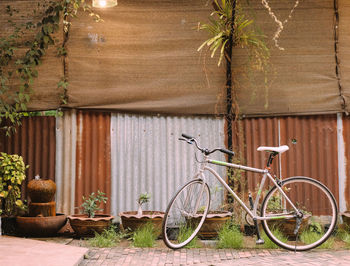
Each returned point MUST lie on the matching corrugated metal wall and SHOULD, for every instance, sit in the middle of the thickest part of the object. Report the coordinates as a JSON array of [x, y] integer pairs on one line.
[[35, 140], [314, 153], [125, 155], [346, 162], [66, 131], [313, 147], [148, 157], [93, 156]]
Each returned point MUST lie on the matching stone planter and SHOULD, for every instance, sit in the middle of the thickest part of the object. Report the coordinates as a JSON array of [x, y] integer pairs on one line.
[[85, 226], [131, 221], [41, 226]]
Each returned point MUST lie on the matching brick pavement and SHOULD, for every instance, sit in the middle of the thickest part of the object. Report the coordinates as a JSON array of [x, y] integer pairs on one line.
[[207, 256]]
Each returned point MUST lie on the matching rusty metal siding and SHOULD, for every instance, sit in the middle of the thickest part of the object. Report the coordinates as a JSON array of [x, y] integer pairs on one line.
[[313, 147], [35, 140], [66, 131], [315, 152], [148, 157], [93, 163], [258, 132], [346, 136]]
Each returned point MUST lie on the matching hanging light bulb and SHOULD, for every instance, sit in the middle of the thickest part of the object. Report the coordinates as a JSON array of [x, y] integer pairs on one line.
[[104, 3]]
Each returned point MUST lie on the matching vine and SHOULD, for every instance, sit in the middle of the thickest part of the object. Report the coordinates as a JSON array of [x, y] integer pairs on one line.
[[279, 23], [17, 69]]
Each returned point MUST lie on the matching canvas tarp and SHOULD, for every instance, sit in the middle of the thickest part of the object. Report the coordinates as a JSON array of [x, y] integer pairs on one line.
[[45, 93], [143, 58], [344, 49], [301, 78]]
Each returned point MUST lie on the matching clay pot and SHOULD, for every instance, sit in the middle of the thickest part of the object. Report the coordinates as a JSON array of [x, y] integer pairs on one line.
[[214, 221], [131, 220], [41, 191], [85, 226], [41, 226]]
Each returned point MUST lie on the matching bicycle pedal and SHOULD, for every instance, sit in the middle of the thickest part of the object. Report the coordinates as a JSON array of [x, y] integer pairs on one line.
[[260, 242]]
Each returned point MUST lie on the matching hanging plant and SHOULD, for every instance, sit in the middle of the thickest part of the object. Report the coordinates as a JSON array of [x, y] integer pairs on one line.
[[17, 69], [222, 24]]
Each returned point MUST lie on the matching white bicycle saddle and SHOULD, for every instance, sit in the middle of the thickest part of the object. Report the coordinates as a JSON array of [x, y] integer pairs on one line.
[[280, 149]]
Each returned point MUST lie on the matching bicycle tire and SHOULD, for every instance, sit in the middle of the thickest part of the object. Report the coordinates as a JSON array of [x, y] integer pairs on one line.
[[311, 198], [185, 214]]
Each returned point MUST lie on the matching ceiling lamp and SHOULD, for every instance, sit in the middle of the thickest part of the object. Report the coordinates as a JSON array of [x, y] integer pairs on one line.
[[104, 3]]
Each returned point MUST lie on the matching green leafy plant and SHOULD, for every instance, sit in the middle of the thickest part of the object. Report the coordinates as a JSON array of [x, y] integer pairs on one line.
[[142, 199], [18, 69], [108, 238], [221, 25], [184, 233], [230, 237], [12, 174], [91, 204], [144, 236]]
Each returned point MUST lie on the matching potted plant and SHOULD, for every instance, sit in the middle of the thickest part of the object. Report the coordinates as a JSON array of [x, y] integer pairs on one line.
[[133, 220], [216, 218], [89, 222], [12, 174]]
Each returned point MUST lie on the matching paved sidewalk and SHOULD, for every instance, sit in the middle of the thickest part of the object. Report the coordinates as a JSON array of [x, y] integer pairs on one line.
[[154, 256], [27, 252]]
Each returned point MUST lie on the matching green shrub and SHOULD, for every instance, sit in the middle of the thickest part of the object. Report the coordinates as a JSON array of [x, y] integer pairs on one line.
[[144, 236], [184, 233], [230, 237], [108, 238]]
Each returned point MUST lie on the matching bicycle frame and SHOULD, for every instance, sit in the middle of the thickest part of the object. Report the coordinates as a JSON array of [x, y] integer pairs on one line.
[[266, 174]]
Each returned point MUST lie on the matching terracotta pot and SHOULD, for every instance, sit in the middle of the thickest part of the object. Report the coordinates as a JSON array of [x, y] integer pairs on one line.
[[132, 221], [85, 226], [287, 227], [346, 217], [41, 226], [213, 223], [40, 190]]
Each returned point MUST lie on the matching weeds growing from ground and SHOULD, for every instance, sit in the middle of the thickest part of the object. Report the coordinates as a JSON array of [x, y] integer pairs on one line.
[[269, 244], [108, 238], [184, 233], [230, 237], [309, 237], [144, 236]]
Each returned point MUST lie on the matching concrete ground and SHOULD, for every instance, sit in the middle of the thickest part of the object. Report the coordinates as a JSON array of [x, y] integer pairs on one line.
[[206, 256], [28, 252]]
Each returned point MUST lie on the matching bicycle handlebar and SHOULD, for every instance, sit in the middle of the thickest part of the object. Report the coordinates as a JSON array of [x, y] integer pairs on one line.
[[191, 140]]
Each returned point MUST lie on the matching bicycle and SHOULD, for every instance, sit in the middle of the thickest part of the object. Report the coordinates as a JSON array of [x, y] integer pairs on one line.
[[289, 216]]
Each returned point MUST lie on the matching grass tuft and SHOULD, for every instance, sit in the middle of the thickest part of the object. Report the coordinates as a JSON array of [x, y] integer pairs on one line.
[[108, 238], [309, 237], [144, 236], [269, 244], [230, 237], [184, 233]]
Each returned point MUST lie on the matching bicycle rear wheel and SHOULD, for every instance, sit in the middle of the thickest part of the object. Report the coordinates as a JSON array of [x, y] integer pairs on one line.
[[313, 200], [185, 214]]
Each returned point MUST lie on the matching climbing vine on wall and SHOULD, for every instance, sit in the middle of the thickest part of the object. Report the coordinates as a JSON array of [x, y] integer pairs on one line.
[[18, 69]]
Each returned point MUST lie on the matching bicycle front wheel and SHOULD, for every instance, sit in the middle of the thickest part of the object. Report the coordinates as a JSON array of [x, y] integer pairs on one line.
[[185, 214], [318, 210]]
